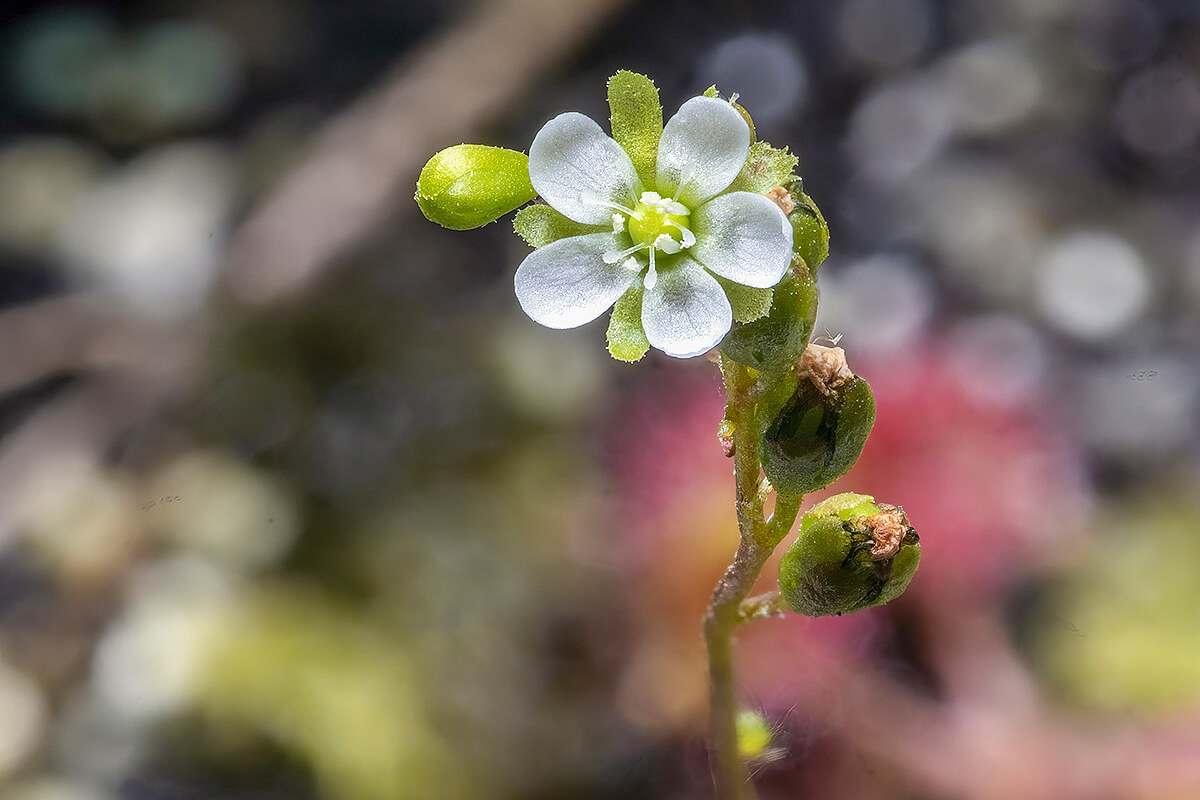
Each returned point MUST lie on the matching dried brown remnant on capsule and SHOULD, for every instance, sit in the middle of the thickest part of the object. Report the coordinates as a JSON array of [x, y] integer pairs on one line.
[[826, 367], [782, 198], [887, 529]]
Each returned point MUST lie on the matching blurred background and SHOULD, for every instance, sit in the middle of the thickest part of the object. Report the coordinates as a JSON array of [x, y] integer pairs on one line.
[[297, 504]]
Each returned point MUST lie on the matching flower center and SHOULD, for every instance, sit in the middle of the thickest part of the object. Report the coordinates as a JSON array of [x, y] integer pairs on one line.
[[655, 224], [656, 219]]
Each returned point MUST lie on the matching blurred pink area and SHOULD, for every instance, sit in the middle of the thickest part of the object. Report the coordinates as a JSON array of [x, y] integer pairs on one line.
[[929, 690], [995, 488]]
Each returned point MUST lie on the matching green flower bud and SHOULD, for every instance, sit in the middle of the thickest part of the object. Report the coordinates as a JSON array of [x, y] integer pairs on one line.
[[814, 422], [852, 553], [774, 342], [810, 234], [470, 185]]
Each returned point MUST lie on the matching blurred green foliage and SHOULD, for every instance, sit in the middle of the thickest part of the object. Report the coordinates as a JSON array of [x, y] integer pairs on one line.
[[1121, 631]]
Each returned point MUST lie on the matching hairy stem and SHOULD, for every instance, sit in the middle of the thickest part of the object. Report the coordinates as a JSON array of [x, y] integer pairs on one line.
[[758, 538]]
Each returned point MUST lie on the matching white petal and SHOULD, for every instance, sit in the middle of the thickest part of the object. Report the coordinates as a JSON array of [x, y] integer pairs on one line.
[[573, 164], [744, 237], [703, 147], [686, 313], [566, 283]]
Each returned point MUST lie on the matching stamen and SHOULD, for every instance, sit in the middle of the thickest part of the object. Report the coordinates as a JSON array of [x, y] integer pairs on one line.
[[689, 238], [676, 208], [651, 279], [614, 206], [613, 256], [665, 243], [618, 223], [632, 264], [669, 206]]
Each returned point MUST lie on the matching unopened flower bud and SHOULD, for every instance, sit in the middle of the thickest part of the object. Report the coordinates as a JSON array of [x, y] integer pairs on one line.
[[852, 553], [470, 185], [814, 422]]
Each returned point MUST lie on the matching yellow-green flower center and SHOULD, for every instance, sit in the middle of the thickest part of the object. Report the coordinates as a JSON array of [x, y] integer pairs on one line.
[[651, 220], [655, 224]]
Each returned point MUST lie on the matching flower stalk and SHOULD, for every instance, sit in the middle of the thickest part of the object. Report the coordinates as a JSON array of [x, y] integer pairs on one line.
[[758, 538]]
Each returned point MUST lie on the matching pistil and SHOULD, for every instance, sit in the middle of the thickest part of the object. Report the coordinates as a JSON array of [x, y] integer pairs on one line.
[[656, 225]]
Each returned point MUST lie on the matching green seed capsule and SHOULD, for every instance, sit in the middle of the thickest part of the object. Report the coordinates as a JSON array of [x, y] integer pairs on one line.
[[852, 553], [470, 185], [810, 233], [774, 342], [814, 422]]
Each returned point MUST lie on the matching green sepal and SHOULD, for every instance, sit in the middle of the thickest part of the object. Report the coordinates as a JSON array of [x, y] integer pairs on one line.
[[539, 225], [766, 167], [636, 117], [773, 343], [710, 92], [626, 338], [807, 440], [829, 569], [470, 185], [810, 233], [748, 302]]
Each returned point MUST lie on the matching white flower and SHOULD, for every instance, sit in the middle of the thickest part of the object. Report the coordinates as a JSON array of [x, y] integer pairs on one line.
[[671, 238]]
